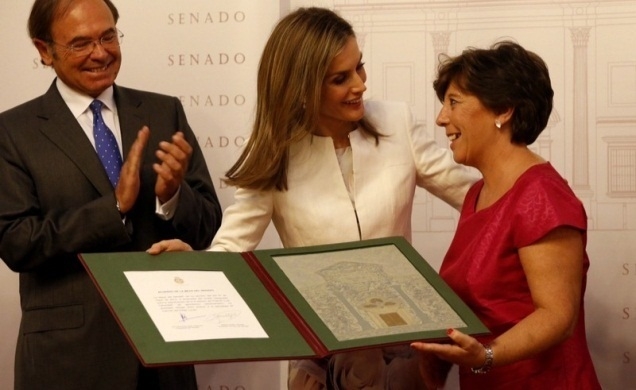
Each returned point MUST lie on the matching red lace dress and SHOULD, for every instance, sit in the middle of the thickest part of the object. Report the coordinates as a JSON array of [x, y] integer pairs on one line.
[[483, 267]]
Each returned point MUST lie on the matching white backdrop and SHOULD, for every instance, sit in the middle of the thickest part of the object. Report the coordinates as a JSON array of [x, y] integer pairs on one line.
[[206, 52]]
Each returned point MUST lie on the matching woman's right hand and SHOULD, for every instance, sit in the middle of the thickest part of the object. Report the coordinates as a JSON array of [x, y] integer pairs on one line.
[[174, 245]]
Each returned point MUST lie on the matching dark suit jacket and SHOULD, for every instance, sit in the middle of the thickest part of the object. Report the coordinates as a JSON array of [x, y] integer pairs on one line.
[[55, 202]]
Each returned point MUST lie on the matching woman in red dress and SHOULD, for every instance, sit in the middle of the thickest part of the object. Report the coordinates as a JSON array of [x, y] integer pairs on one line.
[[518, 257]]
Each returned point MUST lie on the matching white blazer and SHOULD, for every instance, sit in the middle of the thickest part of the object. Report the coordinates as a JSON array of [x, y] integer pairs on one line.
[[316, 209]]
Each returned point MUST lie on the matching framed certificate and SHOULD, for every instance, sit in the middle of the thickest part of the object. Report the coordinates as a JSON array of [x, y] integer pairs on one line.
[[276, 304]]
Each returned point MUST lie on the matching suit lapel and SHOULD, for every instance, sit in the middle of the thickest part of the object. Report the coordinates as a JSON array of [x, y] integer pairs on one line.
[[60, 126], [130, 119]]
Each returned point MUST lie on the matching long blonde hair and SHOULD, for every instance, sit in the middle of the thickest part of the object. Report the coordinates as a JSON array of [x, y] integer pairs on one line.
[[292, 68]]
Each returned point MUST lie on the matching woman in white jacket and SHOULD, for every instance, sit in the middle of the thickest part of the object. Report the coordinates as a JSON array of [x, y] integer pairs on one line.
[[326, 167]]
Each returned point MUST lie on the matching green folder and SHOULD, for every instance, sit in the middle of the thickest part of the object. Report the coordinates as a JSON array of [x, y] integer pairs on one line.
[[310, 301]]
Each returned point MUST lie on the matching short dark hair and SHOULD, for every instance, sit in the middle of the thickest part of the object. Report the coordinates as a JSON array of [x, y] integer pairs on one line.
[[503, 77], [44, 12]]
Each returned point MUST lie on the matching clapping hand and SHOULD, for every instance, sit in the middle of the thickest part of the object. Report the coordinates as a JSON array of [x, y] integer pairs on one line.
[[174, 158], [128, 186]]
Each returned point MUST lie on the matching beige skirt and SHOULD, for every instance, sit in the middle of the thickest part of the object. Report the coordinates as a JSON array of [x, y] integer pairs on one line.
[[395, 368]]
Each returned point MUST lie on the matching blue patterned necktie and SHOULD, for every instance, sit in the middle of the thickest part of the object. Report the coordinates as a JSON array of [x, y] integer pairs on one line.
[[106, 144]]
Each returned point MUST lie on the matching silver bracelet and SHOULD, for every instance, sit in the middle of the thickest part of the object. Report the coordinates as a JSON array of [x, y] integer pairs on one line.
[[487, 364]]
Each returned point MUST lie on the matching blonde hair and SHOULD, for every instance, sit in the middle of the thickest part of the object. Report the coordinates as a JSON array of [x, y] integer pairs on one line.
[[292, 68]]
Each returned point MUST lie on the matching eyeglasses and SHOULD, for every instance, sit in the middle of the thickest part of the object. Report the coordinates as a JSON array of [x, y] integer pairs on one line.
[[81, 48]]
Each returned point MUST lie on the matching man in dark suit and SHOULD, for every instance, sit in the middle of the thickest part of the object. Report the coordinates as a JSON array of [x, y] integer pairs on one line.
[[57, 201]]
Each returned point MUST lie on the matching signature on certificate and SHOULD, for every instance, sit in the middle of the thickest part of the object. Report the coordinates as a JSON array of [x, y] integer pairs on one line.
[[219, 318]]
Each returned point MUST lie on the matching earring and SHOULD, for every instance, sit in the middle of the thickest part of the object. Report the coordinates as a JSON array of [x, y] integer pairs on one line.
[[498, 123]]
